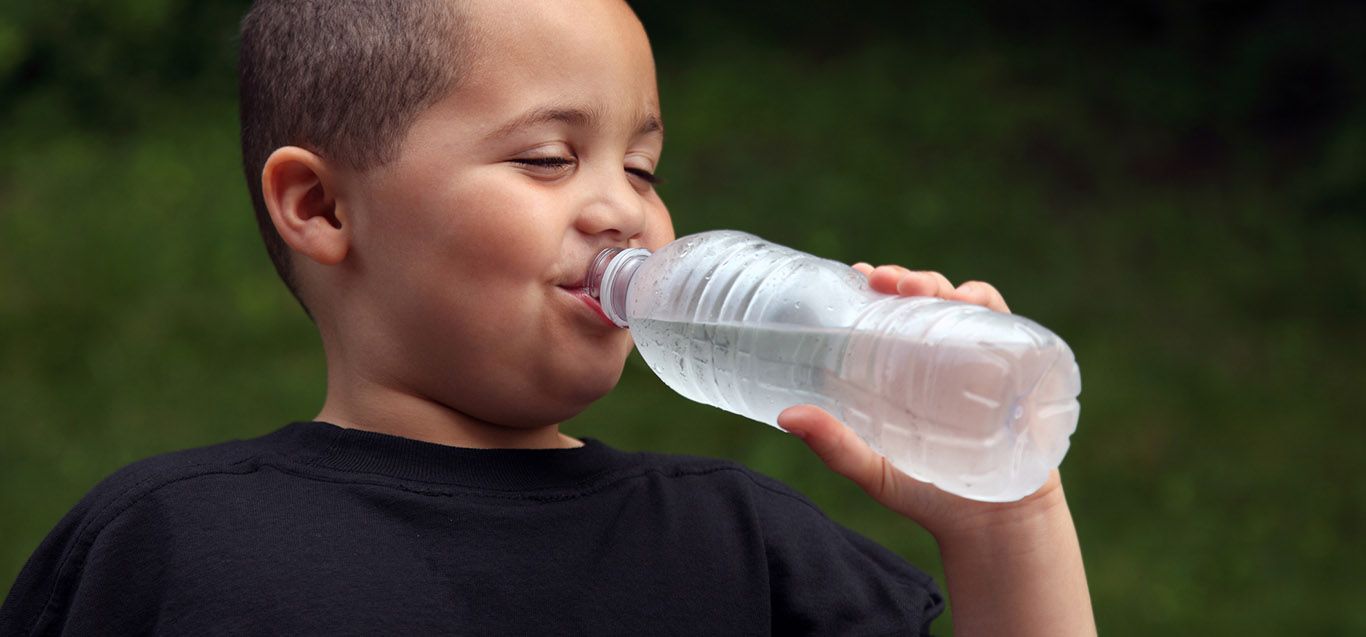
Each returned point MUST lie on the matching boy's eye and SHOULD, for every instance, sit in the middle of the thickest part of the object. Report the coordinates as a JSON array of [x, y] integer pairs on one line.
[[560, 162], [648, 176], [546, 162]]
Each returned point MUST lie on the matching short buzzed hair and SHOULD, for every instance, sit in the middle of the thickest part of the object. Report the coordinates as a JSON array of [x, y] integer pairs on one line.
[[344, 79]]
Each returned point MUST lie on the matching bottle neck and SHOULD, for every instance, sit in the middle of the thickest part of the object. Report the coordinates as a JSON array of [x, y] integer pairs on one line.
[[609, 279]]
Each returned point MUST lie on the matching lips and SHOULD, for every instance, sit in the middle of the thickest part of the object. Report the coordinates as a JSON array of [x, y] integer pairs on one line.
[[591, 304], [578, 288]]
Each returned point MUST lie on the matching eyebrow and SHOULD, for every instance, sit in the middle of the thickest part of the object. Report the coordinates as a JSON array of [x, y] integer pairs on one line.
[[573, 116]]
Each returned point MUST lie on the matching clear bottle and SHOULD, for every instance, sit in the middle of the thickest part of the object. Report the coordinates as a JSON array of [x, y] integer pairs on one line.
[[980, 403]]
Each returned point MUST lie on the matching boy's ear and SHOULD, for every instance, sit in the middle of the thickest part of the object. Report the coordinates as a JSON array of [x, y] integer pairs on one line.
[[300, 192]]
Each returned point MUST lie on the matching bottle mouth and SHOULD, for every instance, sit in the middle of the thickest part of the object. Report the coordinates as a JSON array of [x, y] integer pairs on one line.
[[593, 282], [609, 279]]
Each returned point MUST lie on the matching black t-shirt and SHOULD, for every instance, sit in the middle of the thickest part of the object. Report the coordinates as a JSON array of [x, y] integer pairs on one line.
[[316, 529]]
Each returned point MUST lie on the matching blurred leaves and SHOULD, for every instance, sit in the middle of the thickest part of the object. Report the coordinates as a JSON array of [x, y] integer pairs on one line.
[[1176, 188]]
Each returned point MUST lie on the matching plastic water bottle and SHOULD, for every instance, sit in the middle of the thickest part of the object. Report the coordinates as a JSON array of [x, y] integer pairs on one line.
[[980, 403]]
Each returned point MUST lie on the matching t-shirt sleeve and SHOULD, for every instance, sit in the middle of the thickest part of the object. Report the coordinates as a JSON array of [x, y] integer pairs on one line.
[[829, 580], [97, 572]]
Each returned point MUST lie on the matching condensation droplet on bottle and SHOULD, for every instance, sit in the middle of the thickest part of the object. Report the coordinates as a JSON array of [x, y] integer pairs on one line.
[[797, 305], [1019, 412]]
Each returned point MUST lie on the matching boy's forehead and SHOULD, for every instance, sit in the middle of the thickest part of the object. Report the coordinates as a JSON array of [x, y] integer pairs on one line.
[[607, 19], [509, 32], [532, 64], [646, 120]]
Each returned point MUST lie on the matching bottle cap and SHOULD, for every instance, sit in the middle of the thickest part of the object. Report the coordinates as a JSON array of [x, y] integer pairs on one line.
[[609, 279]]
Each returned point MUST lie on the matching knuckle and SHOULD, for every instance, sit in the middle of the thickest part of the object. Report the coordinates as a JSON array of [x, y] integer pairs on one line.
[[888, 486], [976, 289], [883, 478], [942, 280], [982, 289]]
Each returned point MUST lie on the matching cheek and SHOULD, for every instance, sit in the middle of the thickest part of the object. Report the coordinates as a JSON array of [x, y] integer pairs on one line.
[[500, 234], [659, 230], [465, 256], [471, 233]]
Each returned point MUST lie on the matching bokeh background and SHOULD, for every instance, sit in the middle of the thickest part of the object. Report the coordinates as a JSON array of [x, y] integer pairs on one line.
[[1177, 188]]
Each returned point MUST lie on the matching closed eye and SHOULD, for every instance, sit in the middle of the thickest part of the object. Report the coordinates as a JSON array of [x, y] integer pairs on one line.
[[648, 176], [548, 162], [560, 162]]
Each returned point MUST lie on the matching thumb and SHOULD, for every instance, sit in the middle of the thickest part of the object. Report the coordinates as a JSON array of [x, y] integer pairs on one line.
[[838, 447]]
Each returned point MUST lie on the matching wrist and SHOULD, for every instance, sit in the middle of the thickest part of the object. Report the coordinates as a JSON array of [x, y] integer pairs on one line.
[[1017, 568], [1007, 523]]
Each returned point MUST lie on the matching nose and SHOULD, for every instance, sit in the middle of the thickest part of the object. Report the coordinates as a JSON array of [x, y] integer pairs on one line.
[[613, 208]]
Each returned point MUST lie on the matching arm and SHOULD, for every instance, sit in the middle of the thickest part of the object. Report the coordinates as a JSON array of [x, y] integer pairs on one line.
[[1020, 572], [1013, 568]]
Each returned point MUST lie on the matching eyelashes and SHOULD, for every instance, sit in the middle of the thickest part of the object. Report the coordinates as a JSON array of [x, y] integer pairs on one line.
[[560, 162]]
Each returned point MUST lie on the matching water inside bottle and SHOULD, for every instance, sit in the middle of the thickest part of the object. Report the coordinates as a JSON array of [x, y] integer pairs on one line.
[[755, 371], [943, 412]]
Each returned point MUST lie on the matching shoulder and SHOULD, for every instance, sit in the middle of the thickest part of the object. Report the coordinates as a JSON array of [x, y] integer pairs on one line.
[[118, 520], [135, 482], [141, 485], [727, 475], [865, 586], [723, 485]]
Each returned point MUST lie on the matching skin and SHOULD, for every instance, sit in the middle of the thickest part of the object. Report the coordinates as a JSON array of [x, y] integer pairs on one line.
[[441, 281], [441, 286]]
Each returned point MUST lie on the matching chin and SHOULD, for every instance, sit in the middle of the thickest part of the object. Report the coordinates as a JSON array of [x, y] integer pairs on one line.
[[592, 387], [558, 404], [551, 414]]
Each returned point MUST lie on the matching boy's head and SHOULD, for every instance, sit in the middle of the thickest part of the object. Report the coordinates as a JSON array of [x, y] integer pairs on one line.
[[432, 179], [343, 79]]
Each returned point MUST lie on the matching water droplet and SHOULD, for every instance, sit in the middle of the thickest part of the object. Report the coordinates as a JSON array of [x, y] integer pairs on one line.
[[797, 305], [829, 308], [1019, 412]]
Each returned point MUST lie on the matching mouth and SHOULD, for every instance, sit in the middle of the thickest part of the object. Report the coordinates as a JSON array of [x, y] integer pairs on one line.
[[589, 303], [583, 286]]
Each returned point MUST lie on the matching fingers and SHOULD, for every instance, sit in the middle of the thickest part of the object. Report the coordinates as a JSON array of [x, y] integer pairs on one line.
[[839, 448], [924, 284], [894, 279], [980, 293], [885, 277]]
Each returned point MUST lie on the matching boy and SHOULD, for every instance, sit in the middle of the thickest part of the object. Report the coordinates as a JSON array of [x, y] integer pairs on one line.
[[432, 179]]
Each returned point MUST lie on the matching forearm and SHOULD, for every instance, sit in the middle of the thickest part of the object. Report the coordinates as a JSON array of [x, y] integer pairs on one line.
[[1018, 573]]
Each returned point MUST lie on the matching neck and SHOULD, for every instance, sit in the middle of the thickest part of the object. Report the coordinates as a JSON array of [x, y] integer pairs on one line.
[[356, 402]]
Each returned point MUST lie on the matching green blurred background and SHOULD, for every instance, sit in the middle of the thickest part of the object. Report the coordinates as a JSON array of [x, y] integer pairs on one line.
[[1177, 188]]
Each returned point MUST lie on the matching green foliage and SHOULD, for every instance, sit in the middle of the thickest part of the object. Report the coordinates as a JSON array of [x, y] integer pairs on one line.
[[1177, 190]]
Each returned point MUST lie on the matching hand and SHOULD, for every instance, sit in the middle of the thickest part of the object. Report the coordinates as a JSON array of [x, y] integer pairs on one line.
[[894, 279], [845, 453]]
